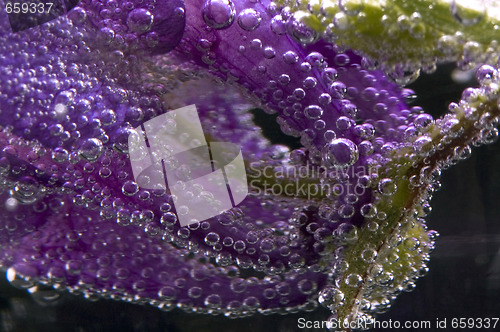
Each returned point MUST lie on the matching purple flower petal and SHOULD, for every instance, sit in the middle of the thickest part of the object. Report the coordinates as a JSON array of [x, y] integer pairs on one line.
[[315, 88], [74, 89], [76, 249]]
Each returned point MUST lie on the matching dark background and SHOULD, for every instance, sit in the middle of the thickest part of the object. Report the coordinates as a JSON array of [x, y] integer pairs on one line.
[[464, 277]]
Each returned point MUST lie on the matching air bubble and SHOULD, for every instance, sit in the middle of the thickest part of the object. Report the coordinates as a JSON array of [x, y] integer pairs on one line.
[[212, 239], [346, 233], [269, 293], [404, 76], [195, 292], [283, 288], [372, 226], [340, 152], [423, 121], [168, 219], [168, 293], [411, 243], [238, 285], [343, 123], [324, 99], [385, 278], [290, 57], [468, 12], [331, 297], [365, 148], [65, 98], [369, 255], [313, 112], [267, 245], [387, 187], [278, 25], [140, 20], [448, 45], [485, 74], [346, 211], [299, 93], [91, 149], [309, 82], [351, 7], [256, 44], [368, 210], [11, 204], [251, 303], [269, 53], [60, 155], [284, 79], [337, 90], [130, 188], [322, 235], [341, 21], [249, 19], [299, 31], [44, 296], [107, 117], [218, 14], [423, 146], [307, 286], [316, 60], [353, 280], [25, 190]]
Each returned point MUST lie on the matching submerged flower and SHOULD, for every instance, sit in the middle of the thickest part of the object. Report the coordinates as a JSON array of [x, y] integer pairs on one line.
[[346, 227]]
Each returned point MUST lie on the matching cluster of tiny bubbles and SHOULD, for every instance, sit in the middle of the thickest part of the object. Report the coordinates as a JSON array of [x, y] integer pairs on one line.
[[72, 109], [272, 242], [173, 293], [477, 111], [182, 277], [252, 243], [408, 249], [409, 243], [42, 295], [299, 94], [341, 19], [84, 167]]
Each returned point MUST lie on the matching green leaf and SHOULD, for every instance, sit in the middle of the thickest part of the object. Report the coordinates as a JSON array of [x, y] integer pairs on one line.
[[408, 35]]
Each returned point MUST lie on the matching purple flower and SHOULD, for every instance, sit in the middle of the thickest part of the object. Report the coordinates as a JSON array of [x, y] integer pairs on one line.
[[74, 88]]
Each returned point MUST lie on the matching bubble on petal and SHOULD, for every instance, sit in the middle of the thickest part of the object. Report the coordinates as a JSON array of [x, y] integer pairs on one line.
[[298, 30], [91, 149], [11, 204], [278, 25], [218, 14], [60, 155], [249, 19], [140, 20], [313, 111], [290, 57], [340, 152]]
